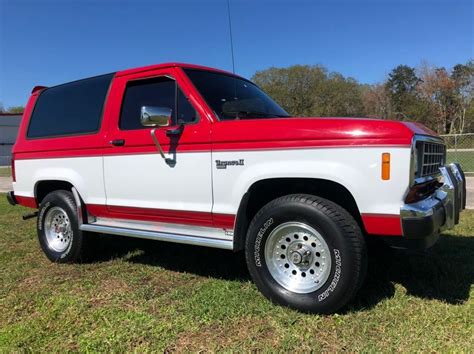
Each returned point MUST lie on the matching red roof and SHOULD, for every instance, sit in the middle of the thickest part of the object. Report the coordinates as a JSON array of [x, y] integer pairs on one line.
[[167, 65]]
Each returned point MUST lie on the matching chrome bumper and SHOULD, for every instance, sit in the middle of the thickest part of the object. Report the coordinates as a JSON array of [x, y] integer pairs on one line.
[[424, 220]]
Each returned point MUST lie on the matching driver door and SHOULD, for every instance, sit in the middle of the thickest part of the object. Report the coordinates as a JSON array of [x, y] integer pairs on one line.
[[140, 184]]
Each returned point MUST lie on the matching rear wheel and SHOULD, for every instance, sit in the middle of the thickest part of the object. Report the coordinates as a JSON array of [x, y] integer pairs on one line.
[[307, 253], [58, 230]]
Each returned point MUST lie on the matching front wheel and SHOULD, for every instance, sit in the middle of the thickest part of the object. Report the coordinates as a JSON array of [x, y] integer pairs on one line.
[[307, 253]]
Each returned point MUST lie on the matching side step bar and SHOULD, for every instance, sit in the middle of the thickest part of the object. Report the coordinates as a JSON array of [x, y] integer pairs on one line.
[[160, 236], [115, 229]]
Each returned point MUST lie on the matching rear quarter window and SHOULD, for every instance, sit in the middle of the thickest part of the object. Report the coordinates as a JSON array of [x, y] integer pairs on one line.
[[68, 109]]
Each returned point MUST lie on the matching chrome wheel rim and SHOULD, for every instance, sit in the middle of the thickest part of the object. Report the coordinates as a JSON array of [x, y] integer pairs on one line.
[[298, 257], [57, 228]]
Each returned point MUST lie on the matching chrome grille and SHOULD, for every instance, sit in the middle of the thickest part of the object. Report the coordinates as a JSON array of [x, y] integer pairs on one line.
[[431, 157]]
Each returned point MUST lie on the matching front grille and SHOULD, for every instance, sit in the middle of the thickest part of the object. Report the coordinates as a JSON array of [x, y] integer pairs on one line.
[[431, 157]]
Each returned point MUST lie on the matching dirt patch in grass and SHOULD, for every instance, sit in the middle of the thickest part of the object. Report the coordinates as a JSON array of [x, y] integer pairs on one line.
[[252, 333], [107, 290]]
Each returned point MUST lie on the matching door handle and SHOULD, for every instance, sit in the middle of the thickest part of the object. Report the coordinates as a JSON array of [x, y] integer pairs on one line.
[[118, 142]]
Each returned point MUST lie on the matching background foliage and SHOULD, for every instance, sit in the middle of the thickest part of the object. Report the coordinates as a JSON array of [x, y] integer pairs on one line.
[[441, 99]]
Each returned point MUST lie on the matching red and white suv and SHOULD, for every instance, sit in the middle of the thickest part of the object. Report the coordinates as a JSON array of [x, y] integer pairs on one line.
[[194, 155]]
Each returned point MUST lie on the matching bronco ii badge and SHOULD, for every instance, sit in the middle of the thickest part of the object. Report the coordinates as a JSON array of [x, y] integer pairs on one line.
[[221, 165]]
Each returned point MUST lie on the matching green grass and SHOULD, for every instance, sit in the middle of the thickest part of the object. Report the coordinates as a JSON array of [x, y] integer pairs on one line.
[[465, 158], [151, 296], [5, 172]]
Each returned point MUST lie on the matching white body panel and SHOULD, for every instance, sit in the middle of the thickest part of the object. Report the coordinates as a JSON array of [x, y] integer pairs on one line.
[[357, 169], [84, 173], [147, 181], [195, 184]]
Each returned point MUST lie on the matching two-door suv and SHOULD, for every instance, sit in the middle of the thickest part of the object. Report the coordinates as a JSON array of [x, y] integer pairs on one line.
[[194, 155]]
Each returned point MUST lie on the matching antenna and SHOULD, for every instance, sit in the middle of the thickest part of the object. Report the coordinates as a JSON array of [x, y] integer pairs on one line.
[[231, 40]]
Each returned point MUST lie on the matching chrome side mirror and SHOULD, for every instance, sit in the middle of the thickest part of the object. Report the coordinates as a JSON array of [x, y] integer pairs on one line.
[[155, 116]]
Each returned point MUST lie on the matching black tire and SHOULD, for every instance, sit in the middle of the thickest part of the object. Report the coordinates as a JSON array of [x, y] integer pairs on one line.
[[77, 246], [342, 235]]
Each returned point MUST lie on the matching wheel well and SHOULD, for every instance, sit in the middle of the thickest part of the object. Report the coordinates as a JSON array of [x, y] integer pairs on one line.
[[264, 191], [43, 188]]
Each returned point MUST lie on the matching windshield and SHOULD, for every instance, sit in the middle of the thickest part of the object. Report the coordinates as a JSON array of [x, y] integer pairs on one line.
[[233, 98]]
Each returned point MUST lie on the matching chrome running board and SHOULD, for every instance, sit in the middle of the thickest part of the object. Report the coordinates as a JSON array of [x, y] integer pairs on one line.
[[187, 239]]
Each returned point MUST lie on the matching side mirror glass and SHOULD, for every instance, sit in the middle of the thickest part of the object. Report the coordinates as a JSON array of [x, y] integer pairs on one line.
[[155, 116]]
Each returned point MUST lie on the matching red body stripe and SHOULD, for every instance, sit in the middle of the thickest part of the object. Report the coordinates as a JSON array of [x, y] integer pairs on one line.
[[256, 146], [382, 224], [225, 221], [28, 202], [375, 224]]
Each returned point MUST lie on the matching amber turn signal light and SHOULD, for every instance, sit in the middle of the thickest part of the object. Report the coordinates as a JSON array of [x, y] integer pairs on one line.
[[385, 166]]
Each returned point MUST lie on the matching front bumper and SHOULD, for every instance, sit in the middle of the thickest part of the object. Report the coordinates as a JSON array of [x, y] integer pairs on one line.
[[423, 221]]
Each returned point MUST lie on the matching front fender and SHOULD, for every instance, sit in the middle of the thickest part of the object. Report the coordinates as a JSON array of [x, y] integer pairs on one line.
[[358, 169]]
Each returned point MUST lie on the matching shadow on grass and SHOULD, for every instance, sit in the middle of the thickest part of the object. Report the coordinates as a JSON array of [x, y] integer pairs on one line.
[[444, 272], [203, 261]]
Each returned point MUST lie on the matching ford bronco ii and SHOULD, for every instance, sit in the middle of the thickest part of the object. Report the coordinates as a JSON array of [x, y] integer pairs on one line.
[[194, 155]]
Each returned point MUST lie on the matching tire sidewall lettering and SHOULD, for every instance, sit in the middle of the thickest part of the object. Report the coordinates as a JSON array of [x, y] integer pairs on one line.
[[258, 241], [337, 275], [43, 210]]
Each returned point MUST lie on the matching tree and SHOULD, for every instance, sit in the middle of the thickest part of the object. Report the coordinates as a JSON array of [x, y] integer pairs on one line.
[[449, 96], [376, 101], [294, 87], [463, 77], [305, 90], [402, 87], [16, 109], [441, 99]]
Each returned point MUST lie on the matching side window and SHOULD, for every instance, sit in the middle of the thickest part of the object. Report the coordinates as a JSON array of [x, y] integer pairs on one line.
[[70, 109], [186, 112], [158, 92]]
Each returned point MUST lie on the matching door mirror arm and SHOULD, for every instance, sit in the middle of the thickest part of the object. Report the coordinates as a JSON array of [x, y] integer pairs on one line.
[[157, 117], [175, 132]]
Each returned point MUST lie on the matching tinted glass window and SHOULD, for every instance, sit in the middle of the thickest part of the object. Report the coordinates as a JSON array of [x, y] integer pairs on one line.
[[158, 92], [233, 98], [73, 108], [186, 112]]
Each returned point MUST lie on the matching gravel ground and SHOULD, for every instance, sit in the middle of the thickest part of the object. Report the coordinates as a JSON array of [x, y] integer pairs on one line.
[[5, 184]]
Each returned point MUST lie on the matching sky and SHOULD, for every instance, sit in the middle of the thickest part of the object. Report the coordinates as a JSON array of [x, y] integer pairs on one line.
[[48, 42]]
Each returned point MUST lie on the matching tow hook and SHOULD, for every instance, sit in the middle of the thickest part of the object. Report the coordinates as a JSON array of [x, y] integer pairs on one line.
[[30, 215]]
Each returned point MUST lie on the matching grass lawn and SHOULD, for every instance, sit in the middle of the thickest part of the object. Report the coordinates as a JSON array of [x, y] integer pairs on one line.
[[5, 172], [145, 295], [465, 158]]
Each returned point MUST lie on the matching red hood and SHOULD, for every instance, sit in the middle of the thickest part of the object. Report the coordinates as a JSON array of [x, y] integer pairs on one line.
[[317, 132]]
